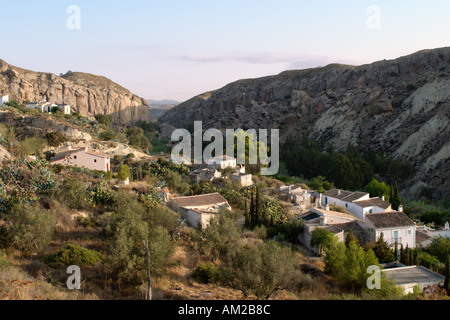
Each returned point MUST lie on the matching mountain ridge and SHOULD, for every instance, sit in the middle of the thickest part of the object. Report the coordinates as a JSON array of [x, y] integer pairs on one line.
[[398, 107], [90, 94]]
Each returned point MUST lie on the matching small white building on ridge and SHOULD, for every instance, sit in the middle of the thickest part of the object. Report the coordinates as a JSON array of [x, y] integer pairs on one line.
[[83, 158], [4, 100]]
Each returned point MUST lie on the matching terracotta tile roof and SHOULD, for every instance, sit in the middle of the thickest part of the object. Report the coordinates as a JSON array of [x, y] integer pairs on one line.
[[375, 202], [346, 227], [390, 220], [422, 236], [200, 201], [336, 214], [345, 195]]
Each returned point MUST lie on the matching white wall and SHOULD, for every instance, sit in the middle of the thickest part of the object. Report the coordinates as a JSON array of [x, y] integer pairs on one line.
[[4, 100], [407, 236], [89, 161]]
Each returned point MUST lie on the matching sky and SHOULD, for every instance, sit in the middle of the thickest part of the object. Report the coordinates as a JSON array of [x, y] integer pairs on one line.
[[177, 49]]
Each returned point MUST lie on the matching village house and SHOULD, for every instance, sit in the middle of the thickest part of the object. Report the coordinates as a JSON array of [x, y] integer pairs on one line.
[[3, 100], [83, 158], [425, 235], [409, 277], [213, 170], [46, 107], [358, 203], [397, 228], [301, 198], [199, 210], [222, 162], [337, 223]]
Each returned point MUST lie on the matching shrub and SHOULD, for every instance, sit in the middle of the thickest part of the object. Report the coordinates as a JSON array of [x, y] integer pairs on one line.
[[208, 273], [30, 228], [261, 269], [105, 120], [118, 159], [55, 139], [123, 173], [107, 135], [74, 193], [73, 255], [3, 260]]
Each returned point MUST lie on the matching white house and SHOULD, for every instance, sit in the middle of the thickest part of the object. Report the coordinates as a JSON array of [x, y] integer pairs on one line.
[[337, 223], [396, 227], [358, 203], [199, 210], [44, 107], [83, 158], [222, 162], [65, 108], [4, 100]]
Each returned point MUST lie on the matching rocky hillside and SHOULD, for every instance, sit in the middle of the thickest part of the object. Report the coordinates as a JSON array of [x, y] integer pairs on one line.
[[90, 94], [399, 107]]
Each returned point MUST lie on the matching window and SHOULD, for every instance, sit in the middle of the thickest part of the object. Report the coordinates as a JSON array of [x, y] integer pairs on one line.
[[395, 235], [409, 232], [346, 205], [75, 157], [95, 160], [371, 211]]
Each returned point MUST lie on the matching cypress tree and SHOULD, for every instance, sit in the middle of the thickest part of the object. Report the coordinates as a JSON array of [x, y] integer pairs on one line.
[[350, 238], [447, 275], [252, 213], [407, 260], [395, 199], [396, 251], [258, 207], [411, 257], [402, 254], [416, 257]]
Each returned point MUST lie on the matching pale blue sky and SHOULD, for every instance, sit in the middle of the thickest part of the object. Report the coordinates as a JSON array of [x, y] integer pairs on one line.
[[176, 49]]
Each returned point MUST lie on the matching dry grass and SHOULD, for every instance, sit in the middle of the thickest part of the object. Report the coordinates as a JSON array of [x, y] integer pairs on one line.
[[16, 284]]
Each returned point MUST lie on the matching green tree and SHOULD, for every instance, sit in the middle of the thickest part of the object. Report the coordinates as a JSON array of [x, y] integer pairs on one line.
[[379, 189], [395, 197], [383, 251], [74, 194], [261, 269], [127, 255], [321, 239], [30, 146], [55, 139], [350, 238], [30, 228], [440, 248], [105, 120], [123, 173], [447, 275], [221, 235]]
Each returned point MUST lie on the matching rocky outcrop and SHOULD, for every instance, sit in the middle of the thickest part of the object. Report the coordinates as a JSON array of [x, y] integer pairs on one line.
[[89, 94], [399, 107]]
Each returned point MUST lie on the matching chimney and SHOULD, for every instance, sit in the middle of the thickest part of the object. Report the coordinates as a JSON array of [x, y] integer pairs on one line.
[[327, 208], [400, 208], [383, 198], [339, 192], [323, 221]]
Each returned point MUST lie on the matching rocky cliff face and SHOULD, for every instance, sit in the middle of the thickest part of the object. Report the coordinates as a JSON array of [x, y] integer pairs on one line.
[[399, 107], [89, 93]]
